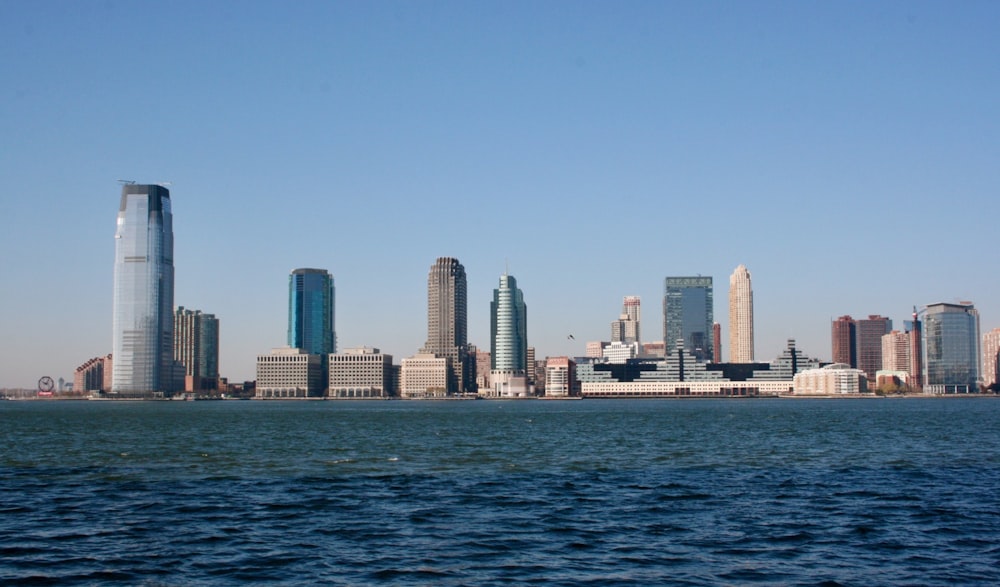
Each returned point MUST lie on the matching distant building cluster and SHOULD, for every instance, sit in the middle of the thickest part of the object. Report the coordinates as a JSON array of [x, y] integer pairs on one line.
[[160, 350]]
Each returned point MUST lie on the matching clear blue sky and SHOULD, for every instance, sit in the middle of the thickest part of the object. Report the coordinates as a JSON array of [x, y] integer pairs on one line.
[[847, 152]]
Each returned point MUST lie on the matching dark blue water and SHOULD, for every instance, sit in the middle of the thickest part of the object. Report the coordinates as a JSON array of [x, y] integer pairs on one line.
[[810, 492]]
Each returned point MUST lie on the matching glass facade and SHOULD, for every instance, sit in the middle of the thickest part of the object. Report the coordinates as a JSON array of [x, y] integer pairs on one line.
[[508, 327], [951, 348], [311, 311], [143, 292], [196, 343], [688, 315]]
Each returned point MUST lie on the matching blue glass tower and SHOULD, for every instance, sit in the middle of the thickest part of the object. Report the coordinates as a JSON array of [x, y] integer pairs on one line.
[[311, 311], [144, 292], [508, 328], [688, 315], [951, 348]]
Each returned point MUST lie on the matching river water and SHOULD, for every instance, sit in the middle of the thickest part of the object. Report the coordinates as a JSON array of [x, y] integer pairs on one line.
[[600, 492]]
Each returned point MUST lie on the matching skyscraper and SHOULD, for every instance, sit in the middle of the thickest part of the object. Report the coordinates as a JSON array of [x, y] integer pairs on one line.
[[509, 337], [991, 357], [143, 336], [740, 317], [896, 351], [916, 352], [869, 332], [508, 327], [844, 341], [716, 342], [688, 315], [626, 328], [311, 308], [951, 348], [196, 347], [447, 321]]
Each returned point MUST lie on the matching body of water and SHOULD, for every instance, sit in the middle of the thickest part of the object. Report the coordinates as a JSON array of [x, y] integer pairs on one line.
[[699, 492]]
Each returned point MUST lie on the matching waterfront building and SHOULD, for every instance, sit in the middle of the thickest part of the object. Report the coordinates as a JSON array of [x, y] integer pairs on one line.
[[835, 379], [681, 374], [916, 353], [896, 351], [196, 348], [991, 357], [509, 340], [311, 311], [447, 322], [790, 362], [361, 373], [425, 375], [532, 367], [844, 341], [143, 327], [891, 381], [484, 362], [560, 377], [287, 373], [538, 380], [94, 375], [740, 316], [678, 365], [869, 332], [656, 388], [688, 315], [951, 348]]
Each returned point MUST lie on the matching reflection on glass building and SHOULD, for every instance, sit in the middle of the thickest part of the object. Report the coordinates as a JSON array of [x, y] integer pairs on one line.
[[688, 315], [509, 327], [311, 311], [951, 348], [144, 292]]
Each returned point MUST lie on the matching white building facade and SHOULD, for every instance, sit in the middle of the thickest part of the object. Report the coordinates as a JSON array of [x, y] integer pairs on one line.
[[740, 317], [289, 373], [361, 373], [424, 375], [835, 379]]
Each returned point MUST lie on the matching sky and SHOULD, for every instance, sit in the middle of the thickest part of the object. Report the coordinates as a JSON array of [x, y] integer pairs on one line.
[[845, 152]]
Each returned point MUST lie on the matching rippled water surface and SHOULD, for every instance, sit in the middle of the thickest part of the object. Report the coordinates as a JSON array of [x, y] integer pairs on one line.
[[705, 492]]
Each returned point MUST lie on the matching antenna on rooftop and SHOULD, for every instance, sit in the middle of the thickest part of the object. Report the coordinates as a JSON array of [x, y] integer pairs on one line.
[[164, 184], [126, 181]]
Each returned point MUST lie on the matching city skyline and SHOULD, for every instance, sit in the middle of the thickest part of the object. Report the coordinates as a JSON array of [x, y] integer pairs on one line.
[[388, 135]]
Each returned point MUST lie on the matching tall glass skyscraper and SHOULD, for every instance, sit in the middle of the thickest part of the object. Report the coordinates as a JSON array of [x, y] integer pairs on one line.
[[143, 320], [508, 328], [688, 314], [951, 348], [311, 307]]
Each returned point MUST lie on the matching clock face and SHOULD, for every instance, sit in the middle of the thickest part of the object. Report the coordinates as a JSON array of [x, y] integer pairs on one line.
[[46, 384]]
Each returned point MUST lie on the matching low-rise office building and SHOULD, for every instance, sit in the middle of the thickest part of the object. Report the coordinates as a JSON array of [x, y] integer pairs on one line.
[[287, 373], [424, 375], [361, 373]]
